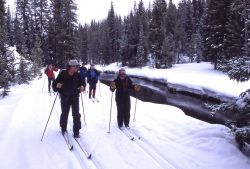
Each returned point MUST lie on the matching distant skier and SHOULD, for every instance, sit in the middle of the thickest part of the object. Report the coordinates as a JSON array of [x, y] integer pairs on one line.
[[49, 71], [83, 72], [92, 79], [69, 84], [123, 86]]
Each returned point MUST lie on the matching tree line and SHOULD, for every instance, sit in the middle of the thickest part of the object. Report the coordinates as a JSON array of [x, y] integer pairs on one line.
[[156, 35]]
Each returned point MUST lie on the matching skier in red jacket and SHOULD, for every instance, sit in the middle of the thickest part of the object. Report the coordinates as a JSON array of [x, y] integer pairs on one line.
[[49, 71]]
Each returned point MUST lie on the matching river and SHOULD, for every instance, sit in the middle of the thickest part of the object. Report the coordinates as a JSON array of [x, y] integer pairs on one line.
[[162, 92]]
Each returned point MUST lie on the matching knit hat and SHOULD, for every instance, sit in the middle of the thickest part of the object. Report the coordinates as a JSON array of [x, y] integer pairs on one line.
[[73, 63]]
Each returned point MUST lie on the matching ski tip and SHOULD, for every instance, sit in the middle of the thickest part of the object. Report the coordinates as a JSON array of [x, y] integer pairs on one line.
[[89, 157], [71, 148], [132, 139]]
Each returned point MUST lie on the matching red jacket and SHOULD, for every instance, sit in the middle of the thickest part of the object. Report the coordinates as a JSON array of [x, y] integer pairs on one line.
[[50, 72]]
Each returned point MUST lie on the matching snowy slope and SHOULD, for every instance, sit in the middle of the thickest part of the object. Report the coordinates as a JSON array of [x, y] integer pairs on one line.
[[169, 138]]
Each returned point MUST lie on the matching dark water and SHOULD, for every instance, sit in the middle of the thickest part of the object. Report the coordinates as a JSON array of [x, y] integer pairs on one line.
[[160, 92]]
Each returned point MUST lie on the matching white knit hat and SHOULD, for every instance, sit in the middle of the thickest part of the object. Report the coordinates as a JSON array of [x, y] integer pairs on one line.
[[73, 62]]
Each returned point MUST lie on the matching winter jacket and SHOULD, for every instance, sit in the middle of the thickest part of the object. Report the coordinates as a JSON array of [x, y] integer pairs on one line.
[[123, 88], [50, 72], [71, 84], [83, 72], [92, 76]]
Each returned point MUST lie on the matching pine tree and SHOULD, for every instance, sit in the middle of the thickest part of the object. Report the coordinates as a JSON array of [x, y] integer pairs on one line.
[[171, 28], [9, 27], [144, 20], [105, 39], [124, 43], [171, 18], [36, 56], [133, 39], [69, 27], [112, 34], [5, 76], [141, 56], [179, 32], [189, 28], [17, 35], [234, 38], [23, 70], [156, 30], [168, 51], [83, 43], [93, 42], [43, 19], [23, 16], [51, 44], [61, 35], [214, 29]]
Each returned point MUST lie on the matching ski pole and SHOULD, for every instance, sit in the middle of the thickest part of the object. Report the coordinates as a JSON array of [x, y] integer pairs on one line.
[[86, 90], [83, 110], [110, 112], [99, 88], [49, 116], [135, 106]]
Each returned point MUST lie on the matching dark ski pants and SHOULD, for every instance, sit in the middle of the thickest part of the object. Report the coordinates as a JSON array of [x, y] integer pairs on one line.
[[92, 89], [50, 80], [123, 111], [66, 102]]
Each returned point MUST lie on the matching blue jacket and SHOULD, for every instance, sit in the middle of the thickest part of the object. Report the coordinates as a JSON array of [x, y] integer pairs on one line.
[[92, 76]]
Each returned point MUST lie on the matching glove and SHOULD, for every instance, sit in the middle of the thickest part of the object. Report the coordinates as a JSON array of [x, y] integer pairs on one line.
[[82, 88], [137, 88], [59, 85], [112, 85]]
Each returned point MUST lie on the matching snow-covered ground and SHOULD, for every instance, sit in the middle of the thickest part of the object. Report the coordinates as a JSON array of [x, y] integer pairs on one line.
[[170, 139], [196, 76]]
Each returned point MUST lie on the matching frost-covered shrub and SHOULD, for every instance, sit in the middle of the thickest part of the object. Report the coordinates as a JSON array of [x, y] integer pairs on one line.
[[240, 110]]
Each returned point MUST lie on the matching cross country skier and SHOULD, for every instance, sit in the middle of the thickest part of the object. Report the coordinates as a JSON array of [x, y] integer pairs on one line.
[[49, 71], [69, 84], [92, 79], [123, 85], [83, 72]]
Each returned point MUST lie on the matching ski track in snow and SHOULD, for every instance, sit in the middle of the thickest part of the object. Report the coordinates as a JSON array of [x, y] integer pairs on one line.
[[163, 144], [93, 163]]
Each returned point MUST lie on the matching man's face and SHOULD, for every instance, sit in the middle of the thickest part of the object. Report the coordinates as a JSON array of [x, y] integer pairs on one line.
[[122, 74], [73, 69]]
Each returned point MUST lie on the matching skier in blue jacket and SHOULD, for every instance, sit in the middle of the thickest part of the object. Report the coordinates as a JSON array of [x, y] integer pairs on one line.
[[92, 79]]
